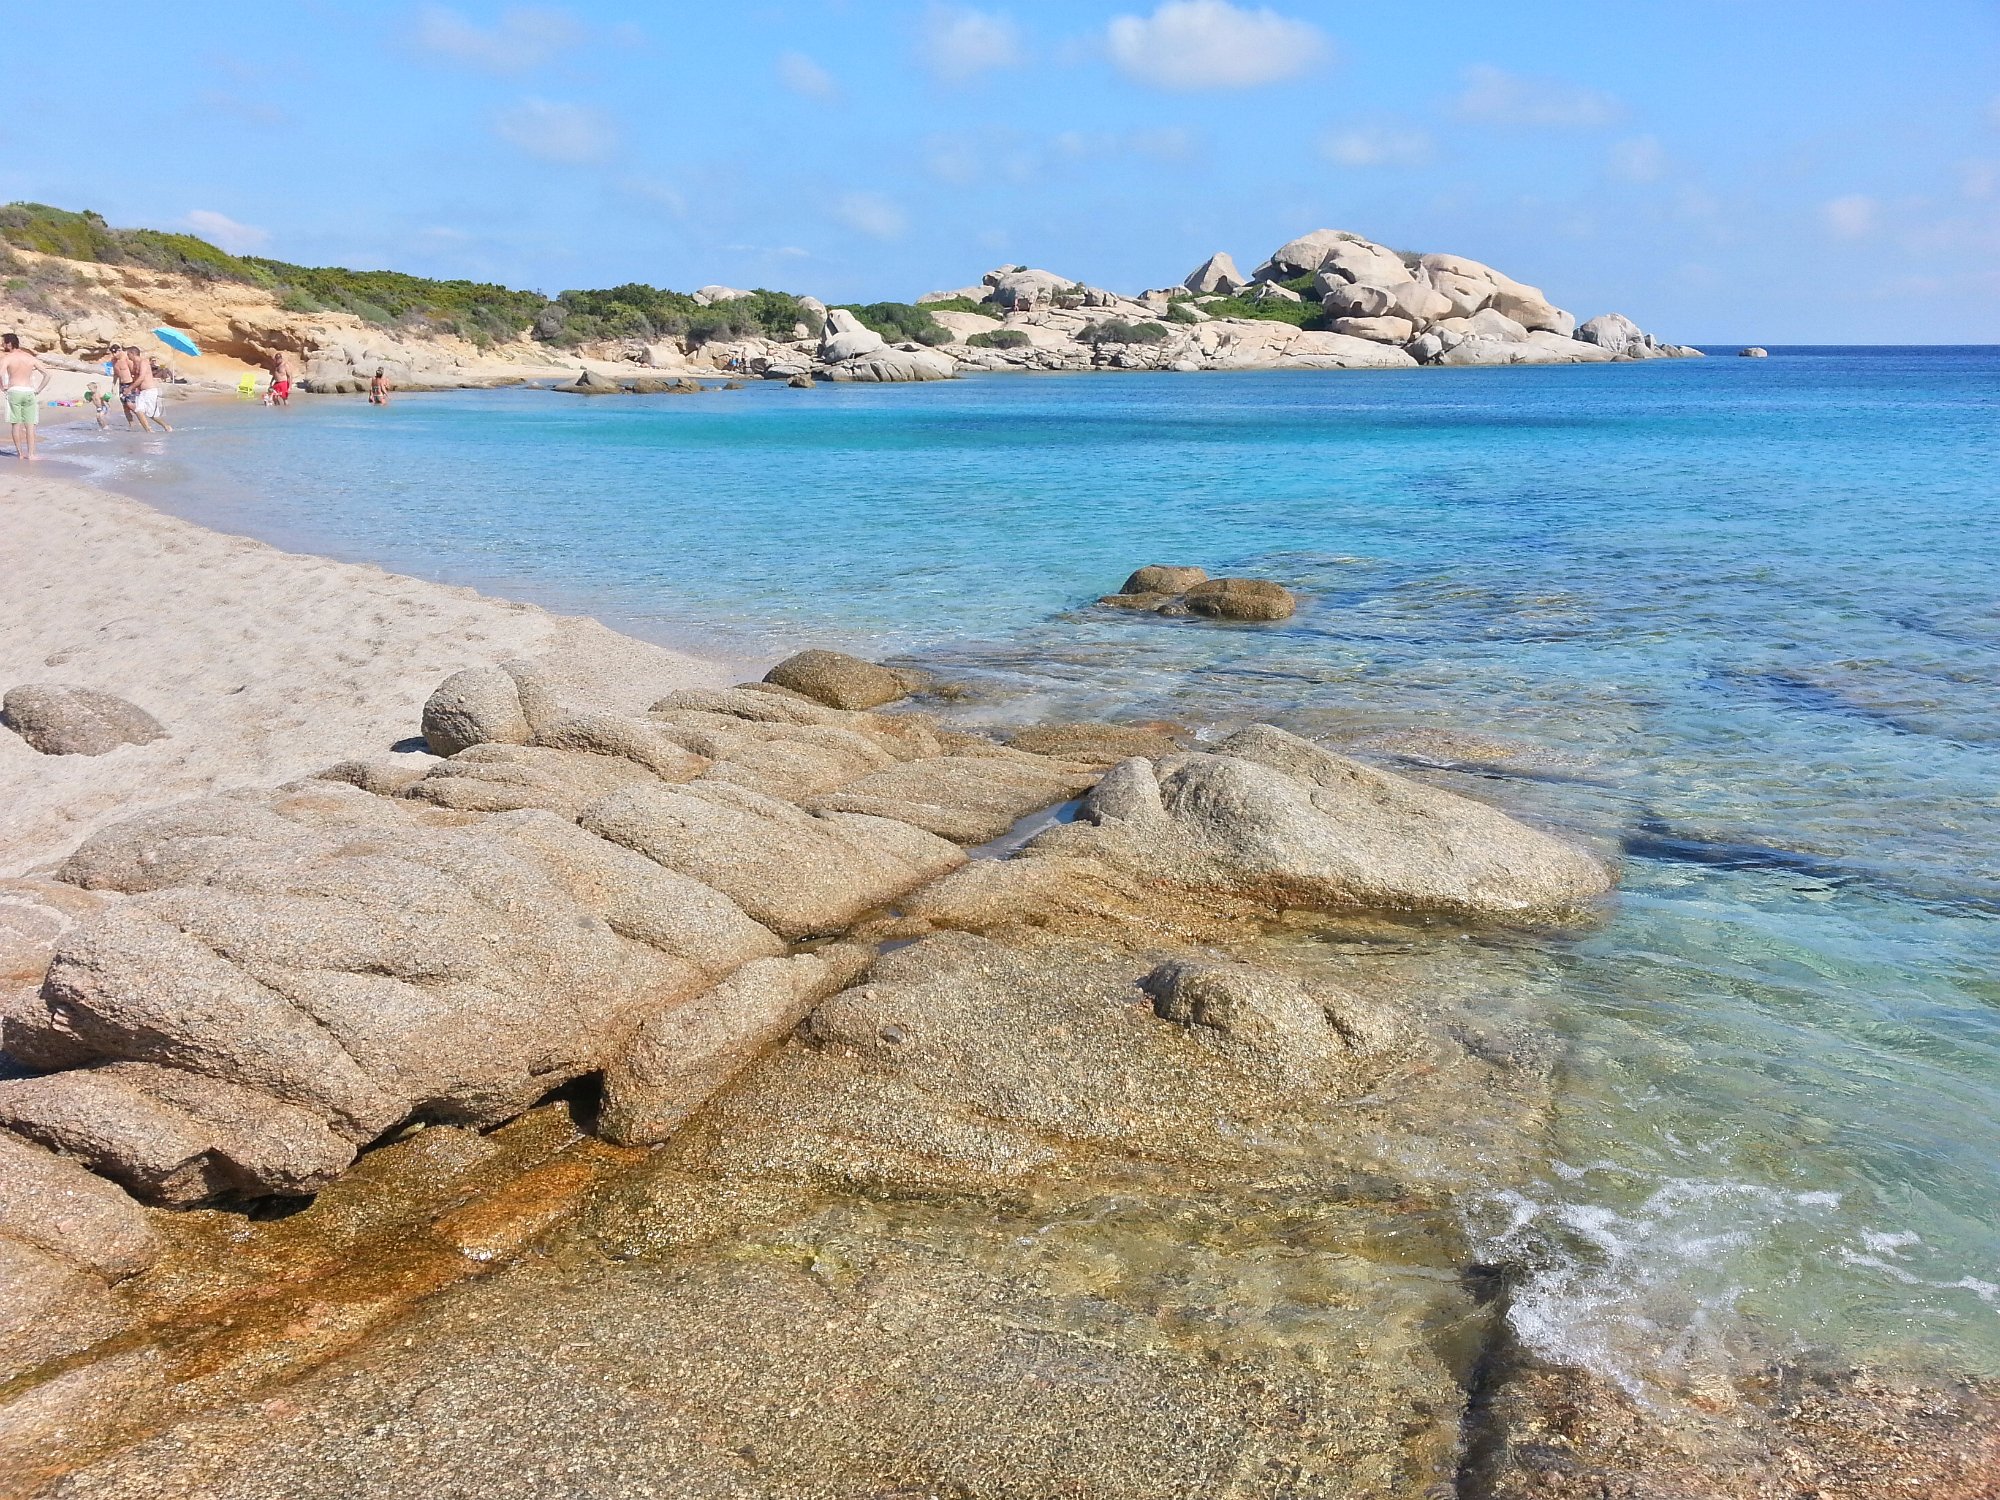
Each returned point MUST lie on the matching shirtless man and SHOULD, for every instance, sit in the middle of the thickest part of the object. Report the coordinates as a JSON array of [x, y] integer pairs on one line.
[[121, 371], [146, 392], [281, 379], [25, 380]]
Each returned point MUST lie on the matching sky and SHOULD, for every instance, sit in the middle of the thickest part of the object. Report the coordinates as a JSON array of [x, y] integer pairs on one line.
[[1719, 170]]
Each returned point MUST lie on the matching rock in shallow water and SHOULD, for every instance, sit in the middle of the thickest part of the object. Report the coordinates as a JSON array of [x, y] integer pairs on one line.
[[839, 680], [1241, 599], [59, 720]]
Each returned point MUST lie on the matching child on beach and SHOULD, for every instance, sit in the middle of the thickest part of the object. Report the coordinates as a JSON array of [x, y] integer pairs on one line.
[[99, 403]]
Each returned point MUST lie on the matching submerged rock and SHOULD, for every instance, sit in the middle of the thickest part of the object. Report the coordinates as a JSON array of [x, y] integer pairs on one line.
[[60, 720], [1241, 599]]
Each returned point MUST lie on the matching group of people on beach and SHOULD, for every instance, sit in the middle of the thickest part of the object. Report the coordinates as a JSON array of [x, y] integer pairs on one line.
[[24, 378]]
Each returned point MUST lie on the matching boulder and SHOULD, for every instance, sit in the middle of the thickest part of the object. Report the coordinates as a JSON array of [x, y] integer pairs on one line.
[[592, 383], [1465, 295], [1386, 330], [496, 705], [1755, 351], [1418, 301], [1217, 274], [800, 381], [1019, 290], [1527, 306], [678, 1058], [835, 347], [1306, 254], [839, 680], [60, 720], [1493, 324], [1241, 599], [1426, 348], [799, 874], [707, 296], [1280, 820], [55, 1205], [1349, 299], [1270, 291], [1163, 578], [893, 365], [1618, 333]]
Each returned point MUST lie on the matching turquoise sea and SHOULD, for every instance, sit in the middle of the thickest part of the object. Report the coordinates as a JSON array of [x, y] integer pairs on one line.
[[1737, 620]]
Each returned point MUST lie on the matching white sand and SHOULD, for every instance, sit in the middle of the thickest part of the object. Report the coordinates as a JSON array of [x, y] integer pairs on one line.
[[263, 665]]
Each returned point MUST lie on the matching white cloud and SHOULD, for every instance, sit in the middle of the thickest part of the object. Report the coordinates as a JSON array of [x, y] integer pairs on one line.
[[1377, 146], [525, 37], [960, 43], [873, 215], [1853, 217], [802, 75], [237, 239], [572, 133], [1211, 44], [1493, 96], [1641, 159]]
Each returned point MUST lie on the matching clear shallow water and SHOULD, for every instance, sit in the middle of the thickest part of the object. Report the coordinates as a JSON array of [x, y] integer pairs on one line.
[[1738, 618]]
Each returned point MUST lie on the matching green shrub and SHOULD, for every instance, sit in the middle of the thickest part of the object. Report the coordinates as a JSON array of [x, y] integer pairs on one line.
[[964, 304], [1181, 310], [636, 310], [899, 322], [1118, 331], [1275, 310], [1000, 338]]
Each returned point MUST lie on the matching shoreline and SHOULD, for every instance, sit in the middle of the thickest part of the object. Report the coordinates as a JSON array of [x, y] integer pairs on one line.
[[264, 664]]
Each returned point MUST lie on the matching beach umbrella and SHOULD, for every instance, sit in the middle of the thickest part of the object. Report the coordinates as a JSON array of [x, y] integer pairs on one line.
[[173, 338]]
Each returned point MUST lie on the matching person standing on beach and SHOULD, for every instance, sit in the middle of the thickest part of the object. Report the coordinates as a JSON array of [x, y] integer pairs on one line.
[[146, 392], [25, 380], [378, 388], [281, 379], [121, 371]]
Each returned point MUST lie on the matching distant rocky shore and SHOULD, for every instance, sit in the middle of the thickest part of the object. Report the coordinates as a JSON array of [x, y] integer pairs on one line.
[[1327, 300]]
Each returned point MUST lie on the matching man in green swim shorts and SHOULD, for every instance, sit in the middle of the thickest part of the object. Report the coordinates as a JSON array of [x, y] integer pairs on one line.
[[24, 379]]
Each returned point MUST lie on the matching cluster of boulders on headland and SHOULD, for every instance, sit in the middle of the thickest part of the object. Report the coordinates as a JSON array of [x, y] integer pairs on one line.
[[1327, 300], [1354, 304]]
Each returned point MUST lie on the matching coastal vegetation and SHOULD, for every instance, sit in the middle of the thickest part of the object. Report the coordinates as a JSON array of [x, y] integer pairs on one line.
[[1118, 331], [900, 322], [483, 312], [999, 338]]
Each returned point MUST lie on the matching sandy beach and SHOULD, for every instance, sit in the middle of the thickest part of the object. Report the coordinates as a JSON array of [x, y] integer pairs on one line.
[[262, 665]]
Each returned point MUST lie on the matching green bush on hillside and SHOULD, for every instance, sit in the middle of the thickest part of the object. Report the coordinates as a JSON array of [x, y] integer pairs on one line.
[[476, 310], [964, 304], [1181, 310], [1274, 310], [1118, 331], [901, 322], [999, 338], [638, 311]]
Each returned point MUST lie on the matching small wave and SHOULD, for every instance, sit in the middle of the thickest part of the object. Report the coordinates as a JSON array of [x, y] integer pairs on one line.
[[1640, 1295]]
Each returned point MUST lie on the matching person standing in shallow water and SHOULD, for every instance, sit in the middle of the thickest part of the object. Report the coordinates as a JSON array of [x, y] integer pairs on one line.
[[146, 393], [378, 388], [25, 380], [121, 371]]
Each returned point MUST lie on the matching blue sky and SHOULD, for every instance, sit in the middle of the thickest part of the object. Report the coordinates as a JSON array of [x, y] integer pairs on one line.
[[1719, 169]]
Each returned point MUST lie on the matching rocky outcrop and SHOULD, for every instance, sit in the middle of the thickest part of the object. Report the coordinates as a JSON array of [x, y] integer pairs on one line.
[[60, 720], [1216, 275], [498, 705], [1755, 351]]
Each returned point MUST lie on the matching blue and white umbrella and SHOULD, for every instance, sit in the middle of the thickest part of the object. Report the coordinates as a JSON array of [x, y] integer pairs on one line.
[[173, 338]]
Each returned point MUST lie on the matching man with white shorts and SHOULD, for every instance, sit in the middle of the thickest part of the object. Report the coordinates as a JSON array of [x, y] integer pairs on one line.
[[146, 393], [25, 380]]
